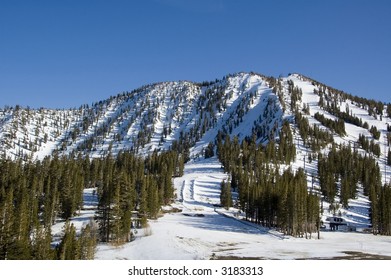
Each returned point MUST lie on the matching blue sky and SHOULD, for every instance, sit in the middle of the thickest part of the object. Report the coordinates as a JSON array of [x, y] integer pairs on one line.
[[62, 54]]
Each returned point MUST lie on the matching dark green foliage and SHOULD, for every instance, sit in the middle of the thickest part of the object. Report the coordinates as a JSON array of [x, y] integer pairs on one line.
[[338, 126], [286, 147], [296, 95], [268, 198], [209, 151], [312, 136], [306, 109], [384, 205], [332, 95], [342, 168], [369, 146], [297, 211], [375, 133], [21, 197], [88, 240], [74, 247], [365, 125], [6, 223], [333, 108], [69, 247], [41, 245], [225, 195], [34, 195], [132, 184]]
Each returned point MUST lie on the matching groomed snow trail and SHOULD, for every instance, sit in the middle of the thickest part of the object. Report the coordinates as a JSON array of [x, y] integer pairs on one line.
[[198, 232], [203, 231]]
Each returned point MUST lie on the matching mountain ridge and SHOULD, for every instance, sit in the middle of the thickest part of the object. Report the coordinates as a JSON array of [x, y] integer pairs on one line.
[[154, 110], [302, 123]]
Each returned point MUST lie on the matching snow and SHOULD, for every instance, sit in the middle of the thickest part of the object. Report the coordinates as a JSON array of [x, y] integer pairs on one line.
[[90, 205], [204, 231]]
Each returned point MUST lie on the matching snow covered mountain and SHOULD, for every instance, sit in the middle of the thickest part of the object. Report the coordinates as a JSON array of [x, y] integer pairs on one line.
[[188, 116], [149, 118]]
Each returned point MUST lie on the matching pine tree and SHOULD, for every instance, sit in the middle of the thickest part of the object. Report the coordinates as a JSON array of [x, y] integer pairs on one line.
[[6, 224], [143, 203], [51, 201], [209, 151], [104, 213], [313, 214], [66, 194], [167, 172], [225, 195], [153, 198], [127, 197], [20, 246], [88, 241], [385, 210], [345, 192], [181, 166], [41, 244], [116, 211], [69, 247]]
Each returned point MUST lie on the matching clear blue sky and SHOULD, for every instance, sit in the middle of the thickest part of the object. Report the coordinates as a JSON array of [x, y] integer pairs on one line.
[[62, 54]]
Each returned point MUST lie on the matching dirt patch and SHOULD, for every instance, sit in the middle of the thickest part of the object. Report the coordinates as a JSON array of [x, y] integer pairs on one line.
[[353, 255], [171, 210], [226, 249], [226, 244], [349, 255]]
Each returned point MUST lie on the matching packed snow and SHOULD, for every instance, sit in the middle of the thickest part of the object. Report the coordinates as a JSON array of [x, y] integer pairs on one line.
[[205, 231]]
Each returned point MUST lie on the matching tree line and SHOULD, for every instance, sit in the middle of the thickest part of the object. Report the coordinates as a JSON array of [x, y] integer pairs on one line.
[[266, 195], [342, 171], [35, 195], [130, 184]]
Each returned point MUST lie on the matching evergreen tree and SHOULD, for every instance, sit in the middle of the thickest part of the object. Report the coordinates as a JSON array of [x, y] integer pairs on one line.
[[345, 192], [127, 197], [180, 167], [153, 198], [69, 246], [385, 210], [209, 151], [6, 224], [20, 246], [88, 241], [143, 203], [166, 172], [41, 245], [313, 214], [225, 195]]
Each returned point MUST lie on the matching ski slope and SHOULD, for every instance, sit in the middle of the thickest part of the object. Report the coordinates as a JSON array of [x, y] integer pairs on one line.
[[154, 116], [203, 231]]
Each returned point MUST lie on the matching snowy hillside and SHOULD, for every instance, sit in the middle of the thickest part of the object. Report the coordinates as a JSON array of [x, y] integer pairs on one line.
[[191, 118], [203, 231], [145, 119], [190, 115]]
